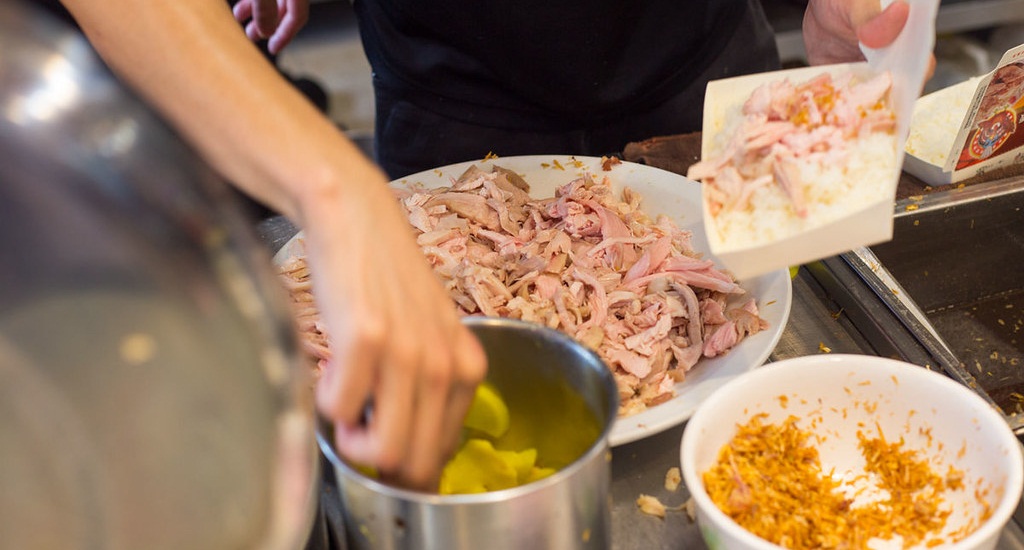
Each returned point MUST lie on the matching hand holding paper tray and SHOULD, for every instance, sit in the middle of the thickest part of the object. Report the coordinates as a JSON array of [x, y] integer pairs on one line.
[[765, 215]]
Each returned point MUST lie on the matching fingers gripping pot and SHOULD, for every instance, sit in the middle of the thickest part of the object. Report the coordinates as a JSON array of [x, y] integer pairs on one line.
[[562, 401]]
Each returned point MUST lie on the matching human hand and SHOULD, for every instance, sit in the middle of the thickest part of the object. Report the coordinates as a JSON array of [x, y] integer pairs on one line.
[[832, 29], [395, 337], [277, 21]]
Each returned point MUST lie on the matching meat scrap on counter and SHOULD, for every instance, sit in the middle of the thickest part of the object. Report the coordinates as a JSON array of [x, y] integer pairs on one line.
[[673, 477], [651, 506], [585, 262]]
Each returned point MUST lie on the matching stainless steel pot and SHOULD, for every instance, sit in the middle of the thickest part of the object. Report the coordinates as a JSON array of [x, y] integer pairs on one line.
[[538, 372], [151, 391]]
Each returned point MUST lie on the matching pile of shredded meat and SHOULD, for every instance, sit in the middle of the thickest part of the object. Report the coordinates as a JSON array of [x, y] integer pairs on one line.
[[312, 334], [584, 262]]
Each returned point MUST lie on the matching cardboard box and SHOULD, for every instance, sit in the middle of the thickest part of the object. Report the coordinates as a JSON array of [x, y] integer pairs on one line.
[[990, 133]]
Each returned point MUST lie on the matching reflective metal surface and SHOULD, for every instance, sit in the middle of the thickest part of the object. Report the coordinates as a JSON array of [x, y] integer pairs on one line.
[[959, 259], [151, 392]]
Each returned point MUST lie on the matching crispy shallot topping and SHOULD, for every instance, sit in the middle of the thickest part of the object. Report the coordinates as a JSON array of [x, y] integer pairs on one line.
[[769, 479]]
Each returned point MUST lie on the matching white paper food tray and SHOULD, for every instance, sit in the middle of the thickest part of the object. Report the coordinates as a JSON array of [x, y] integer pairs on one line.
[[906, 60], [869, 225]]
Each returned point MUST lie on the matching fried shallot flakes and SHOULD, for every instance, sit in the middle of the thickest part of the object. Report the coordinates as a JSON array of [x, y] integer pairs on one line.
[[769, 479]]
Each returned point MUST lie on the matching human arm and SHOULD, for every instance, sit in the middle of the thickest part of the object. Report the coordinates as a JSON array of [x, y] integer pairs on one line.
[[395, 335]]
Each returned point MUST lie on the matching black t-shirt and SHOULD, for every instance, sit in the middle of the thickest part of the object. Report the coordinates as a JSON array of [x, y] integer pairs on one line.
[[569, 59], [54, 7]]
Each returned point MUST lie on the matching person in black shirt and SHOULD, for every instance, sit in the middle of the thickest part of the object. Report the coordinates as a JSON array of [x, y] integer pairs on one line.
[[457, 79]]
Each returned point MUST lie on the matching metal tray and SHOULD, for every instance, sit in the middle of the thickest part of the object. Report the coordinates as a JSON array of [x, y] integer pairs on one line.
[[958, 257]]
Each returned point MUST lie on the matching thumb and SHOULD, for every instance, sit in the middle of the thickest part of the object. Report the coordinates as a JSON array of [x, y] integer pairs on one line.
[[265, 17], [882, 30]]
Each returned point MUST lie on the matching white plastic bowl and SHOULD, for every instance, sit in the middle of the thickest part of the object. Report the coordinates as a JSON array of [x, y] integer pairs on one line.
[[847, 393]]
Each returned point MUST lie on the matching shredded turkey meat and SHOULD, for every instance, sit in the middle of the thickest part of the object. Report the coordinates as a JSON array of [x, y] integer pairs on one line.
[[312, 334], [585, 262]]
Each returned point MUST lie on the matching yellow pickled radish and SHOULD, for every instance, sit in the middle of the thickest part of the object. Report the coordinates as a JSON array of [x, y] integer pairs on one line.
[[537, 473], [488, 413], [522, 461], [477, 468]]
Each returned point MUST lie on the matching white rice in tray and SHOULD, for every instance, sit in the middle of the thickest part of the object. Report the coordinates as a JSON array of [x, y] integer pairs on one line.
[[796, 156], [937, 119], [836, 190]]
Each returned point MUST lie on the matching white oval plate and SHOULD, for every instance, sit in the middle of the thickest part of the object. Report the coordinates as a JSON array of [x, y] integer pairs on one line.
[[665, 193]]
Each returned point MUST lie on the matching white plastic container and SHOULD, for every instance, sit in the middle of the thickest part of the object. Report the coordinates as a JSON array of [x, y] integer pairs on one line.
[[834, 396]]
